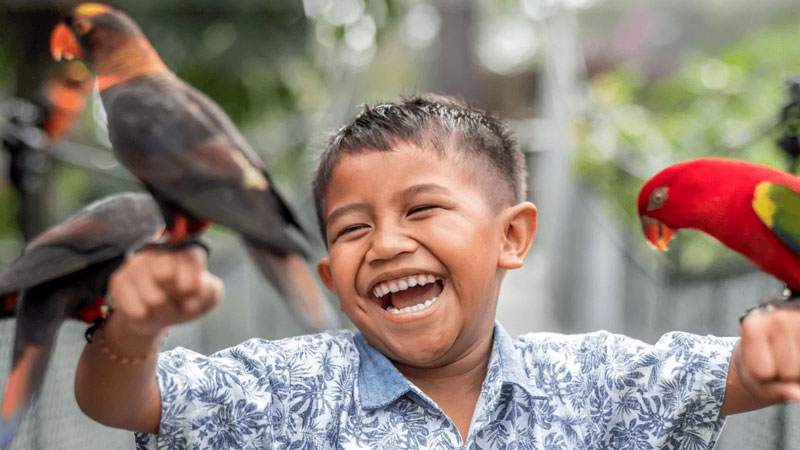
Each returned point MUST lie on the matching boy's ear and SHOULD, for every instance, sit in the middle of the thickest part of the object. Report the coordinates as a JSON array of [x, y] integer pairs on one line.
[[324, 270], [519, 222]]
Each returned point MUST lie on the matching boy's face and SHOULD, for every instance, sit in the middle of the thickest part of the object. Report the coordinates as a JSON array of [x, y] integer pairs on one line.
[[410, 214]]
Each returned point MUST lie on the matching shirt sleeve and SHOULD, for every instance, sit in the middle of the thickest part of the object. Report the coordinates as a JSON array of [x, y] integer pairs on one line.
[[666, 395], [231, 399]]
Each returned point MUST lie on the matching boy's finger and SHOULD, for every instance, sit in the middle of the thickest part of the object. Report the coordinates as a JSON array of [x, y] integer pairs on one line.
[[210, 295], [216, 286], [757, 356], [785, 351], [196, 254], [187, 278], [161, 266], [782, 391], [151, 294], [124, 297]]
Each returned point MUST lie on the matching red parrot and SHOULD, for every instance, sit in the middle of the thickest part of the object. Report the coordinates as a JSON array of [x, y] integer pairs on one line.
[[63, 273], [188, 153], [751, 208]]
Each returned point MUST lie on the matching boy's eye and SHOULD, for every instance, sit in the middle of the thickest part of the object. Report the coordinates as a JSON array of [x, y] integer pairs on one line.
[[349, 229], [418, 209]]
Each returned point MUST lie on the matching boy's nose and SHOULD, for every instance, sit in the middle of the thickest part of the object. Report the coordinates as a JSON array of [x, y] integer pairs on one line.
[[388, 244]]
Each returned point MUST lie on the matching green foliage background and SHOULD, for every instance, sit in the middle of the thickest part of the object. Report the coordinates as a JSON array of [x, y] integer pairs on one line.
[[724, 104]]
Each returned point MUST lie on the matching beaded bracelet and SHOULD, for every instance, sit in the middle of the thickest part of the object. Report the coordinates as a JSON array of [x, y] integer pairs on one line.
[[99, 326], [115, 357]]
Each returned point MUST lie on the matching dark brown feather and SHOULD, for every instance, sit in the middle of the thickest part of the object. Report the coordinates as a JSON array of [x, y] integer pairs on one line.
[[188, 153]]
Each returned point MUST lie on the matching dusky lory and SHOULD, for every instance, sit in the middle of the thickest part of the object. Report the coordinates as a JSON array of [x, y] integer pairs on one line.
[[188, 153], [64, 273], [751, 208]]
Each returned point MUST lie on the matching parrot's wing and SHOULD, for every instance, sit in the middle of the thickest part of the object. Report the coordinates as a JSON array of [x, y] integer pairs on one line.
[[184, 148], [218, 185], [216, 114], [778, 207], [56, 254], [99, 232]]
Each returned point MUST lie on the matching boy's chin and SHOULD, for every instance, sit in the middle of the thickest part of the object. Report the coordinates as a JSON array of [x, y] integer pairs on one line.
[[421, 349]]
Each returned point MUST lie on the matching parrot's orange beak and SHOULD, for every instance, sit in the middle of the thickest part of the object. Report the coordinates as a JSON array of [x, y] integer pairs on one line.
[[64, 44], [658, 235]]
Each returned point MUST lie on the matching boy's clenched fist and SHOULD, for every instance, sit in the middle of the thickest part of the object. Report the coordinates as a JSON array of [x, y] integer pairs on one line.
[[154, 289]]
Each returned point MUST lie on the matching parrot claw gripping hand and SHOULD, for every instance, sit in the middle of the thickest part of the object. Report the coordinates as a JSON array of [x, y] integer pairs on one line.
[[773, 304], [162, 244], [64, 273], [751, 208], [189, 155]]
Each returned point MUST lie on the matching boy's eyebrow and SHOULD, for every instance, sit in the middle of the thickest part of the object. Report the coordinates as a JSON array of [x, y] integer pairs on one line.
[[409, 192], [346, 209], [422, 189]]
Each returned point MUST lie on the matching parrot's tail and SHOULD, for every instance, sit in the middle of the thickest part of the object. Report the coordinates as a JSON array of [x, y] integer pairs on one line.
[[22, 389], [294, 281]]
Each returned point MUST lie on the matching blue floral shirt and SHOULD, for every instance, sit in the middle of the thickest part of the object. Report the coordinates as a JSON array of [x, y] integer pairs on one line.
[[542, 391]]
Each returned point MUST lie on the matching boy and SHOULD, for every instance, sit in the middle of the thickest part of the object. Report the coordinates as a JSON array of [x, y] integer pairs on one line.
[[421, 204]]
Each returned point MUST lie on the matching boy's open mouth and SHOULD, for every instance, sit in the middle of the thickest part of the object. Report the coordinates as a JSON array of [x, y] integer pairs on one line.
[[408, 294]]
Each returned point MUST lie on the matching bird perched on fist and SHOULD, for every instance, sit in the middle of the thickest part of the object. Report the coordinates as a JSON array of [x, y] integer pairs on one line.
[[188, 153], [63, 273]]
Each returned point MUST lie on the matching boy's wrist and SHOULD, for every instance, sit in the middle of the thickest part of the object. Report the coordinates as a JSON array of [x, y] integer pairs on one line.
[[123, 339]]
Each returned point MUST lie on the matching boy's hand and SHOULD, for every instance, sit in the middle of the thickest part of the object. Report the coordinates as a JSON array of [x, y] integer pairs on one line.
[[767, 358], [154, 289]]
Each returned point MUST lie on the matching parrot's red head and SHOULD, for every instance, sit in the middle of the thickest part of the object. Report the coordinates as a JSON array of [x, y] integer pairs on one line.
[[684, 195], [107, 39], [653, 197], [657, 233], [701, 194]]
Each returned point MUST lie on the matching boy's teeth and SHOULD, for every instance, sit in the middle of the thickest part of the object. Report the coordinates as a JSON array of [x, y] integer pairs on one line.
[[414, 308], [402, 284]]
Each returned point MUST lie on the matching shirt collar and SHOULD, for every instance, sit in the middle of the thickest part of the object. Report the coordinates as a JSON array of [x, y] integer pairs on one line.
[[510, 363], [380, 383]]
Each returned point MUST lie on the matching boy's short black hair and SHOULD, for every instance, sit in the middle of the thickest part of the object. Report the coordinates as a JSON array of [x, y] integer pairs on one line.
[[427, 121]]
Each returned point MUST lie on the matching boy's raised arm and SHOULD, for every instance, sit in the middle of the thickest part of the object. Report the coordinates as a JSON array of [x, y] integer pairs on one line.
[[765, 364], [151, 291]]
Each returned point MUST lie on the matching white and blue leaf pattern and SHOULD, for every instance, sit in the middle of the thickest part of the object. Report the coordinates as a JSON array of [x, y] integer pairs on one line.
[[543, 391]]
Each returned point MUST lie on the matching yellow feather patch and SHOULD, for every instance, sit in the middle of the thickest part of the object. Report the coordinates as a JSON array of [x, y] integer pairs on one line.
[[251, 176], [763, 205], [92, 9]]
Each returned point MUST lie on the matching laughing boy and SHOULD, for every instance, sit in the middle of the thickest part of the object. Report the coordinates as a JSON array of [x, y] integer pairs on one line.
[[421, 205]]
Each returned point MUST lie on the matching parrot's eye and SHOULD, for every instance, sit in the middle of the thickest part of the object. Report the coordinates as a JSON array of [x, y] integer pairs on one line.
[[657, 198], [83, 26]]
